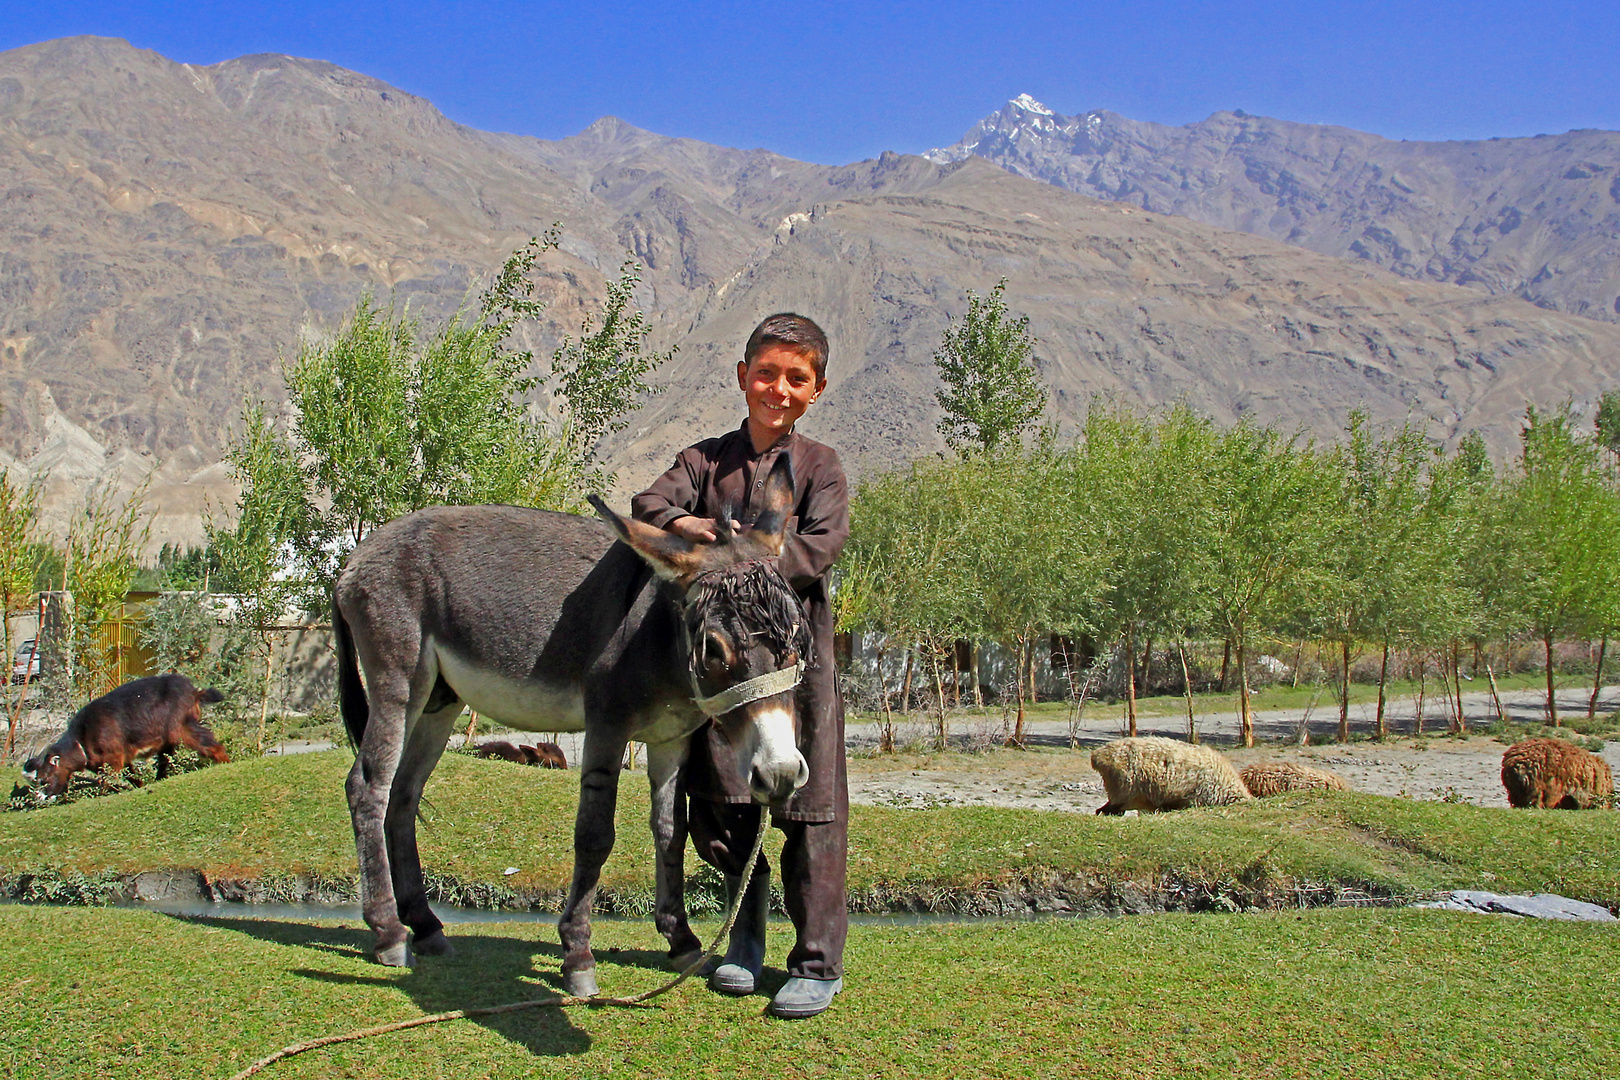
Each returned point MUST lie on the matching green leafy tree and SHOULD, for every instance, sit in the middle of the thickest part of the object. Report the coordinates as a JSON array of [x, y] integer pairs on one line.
[[1607, 422], [1267, 526], [908, 560], [105, 538], [1566, 535], [1379, 579], [19, 515], [602, 374], [987, 362], [388, 417], [1142, 492]]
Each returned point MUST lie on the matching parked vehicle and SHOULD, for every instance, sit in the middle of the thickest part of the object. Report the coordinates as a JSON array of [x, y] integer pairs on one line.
[[26, 667]]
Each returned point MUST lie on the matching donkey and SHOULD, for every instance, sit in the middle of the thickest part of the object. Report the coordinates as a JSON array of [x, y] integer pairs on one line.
[[541, 621]]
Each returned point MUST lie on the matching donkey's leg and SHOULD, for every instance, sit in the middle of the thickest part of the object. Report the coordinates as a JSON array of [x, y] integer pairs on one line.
[[423, 747], [664, 761], [370, 781], [593, 840]]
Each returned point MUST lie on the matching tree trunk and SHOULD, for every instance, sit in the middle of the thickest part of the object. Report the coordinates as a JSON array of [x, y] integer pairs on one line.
[[1147, 669], [1299, 654], [1017, 738], [905, 683], [973, 663], [1130, 677], [1034, 689], [1079, 714], [886, 733], [264, 699], [1186, 686], [1423, 663], [956, 677], [1244, 710], [1226, 663], [1552, 701], [1383, 678], [1490, 673], [1597, 679], [1456, 685], [472, 726], [1344, 692], [941, 736]]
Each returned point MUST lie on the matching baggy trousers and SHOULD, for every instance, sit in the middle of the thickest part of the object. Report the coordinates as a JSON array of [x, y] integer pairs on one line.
[[814, 864]]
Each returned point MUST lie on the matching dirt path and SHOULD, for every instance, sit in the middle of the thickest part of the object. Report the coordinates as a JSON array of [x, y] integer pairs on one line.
[[1050, 776]]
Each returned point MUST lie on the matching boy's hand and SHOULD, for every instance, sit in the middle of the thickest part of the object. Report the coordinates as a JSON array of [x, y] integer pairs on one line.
[[698, 529]]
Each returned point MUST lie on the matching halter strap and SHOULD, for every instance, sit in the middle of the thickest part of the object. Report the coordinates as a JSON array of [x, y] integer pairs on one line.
[[761, 686]]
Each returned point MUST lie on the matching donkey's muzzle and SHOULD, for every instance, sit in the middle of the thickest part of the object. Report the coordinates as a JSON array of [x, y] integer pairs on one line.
[[773, 787]]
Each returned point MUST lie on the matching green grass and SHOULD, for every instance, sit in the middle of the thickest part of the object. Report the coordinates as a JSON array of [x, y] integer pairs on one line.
[[120, 994], [270, 817]]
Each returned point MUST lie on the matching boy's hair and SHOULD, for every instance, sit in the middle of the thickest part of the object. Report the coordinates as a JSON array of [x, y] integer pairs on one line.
[[794, 331]]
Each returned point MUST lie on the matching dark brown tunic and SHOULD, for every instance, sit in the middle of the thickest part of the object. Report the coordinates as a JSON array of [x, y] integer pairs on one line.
[[726, 472]]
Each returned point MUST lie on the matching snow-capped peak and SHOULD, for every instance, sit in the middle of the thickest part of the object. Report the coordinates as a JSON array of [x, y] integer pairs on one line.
[[1029, 104]]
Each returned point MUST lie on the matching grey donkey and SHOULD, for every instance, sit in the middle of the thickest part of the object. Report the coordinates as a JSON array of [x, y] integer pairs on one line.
[[541, 621]]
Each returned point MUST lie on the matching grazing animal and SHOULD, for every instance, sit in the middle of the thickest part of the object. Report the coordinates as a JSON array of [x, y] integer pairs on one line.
[[547, 755], [154, 715], [1276, 777], [541, 622], [1162, 774], [1553, 774]]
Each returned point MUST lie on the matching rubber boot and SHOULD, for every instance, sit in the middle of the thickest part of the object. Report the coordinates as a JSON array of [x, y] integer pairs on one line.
[[739, 971]]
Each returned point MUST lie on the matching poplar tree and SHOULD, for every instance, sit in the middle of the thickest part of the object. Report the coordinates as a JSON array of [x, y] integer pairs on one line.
[[987, 362]]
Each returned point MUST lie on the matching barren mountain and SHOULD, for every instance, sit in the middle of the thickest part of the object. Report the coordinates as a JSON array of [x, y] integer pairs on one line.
[[169, 232], [1537, 218]]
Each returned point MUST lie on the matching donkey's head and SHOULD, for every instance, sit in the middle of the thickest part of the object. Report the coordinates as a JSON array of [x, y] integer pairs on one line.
[[745, 633]]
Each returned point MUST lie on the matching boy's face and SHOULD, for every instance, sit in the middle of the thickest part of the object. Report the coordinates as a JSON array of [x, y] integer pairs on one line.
[[779, 384]]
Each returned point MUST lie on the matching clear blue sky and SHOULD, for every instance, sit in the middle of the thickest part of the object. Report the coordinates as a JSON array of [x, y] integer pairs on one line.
[[835, 83]]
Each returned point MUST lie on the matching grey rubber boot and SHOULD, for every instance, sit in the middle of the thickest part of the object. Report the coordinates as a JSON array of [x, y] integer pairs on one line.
[[739, 971], [801, 997]]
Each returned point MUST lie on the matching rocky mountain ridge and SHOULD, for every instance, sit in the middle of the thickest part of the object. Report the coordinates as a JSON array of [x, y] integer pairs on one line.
[[1537, 217], [171, 233]]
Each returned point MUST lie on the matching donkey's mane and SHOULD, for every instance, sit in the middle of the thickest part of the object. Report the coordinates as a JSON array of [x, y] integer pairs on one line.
[[751, 598]]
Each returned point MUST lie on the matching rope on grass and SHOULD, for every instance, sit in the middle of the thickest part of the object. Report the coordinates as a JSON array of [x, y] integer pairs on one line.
[[562, 1001]]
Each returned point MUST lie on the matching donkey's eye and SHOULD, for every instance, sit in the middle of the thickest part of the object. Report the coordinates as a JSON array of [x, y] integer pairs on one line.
[[716, 650]]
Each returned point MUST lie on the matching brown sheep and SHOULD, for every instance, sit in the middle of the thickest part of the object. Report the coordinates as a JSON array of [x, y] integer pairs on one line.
[[1163, 774], [1276, 777], [1553, 774], [154, 715], [547, 755]]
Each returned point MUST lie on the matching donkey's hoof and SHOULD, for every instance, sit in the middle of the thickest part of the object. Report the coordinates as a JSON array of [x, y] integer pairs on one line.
[[580, 983], [435, 944], [396, 955]]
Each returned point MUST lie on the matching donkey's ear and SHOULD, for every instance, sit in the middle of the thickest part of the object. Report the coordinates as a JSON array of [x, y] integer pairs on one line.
[[776, 506], [671, 557]]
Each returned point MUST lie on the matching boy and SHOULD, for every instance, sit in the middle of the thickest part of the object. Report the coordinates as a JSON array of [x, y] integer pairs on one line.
[[783, 371]]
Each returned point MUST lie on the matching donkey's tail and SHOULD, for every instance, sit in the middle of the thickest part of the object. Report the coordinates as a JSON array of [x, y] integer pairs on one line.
[[351, 694]]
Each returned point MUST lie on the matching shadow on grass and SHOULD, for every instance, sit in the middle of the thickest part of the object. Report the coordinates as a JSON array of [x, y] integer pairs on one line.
[[485, 971]]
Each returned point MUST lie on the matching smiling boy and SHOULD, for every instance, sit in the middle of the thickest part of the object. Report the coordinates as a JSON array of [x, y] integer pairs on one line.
[[782, 373]]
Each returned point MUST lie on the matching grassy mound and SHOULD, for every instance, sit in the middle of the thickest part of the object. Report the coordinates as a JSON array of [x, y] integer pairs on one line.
[[267, 819]]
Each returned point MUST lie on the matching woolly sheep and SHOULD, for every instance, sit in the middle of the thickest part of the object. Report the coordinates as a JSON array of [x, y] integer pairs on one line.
[[1163, 774], [1551, 773], [1276, 777]]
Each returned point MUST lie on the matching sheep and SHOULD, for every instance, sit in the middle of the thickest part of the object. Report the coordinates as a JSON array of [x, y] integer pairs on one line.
[[1553, 774], [1163, 774], [547, 755], [1276, 777]]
